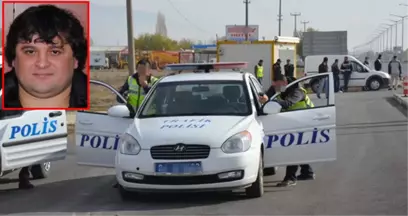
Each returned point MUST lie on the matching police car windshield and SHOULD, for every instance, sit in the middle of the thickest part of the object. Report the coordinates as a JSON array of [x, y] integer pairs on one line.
[[198, 98]]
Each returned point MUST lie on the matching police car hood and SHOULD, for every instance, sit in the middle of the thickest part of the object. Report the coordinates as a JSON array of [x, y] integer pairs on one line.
[[208, 130]]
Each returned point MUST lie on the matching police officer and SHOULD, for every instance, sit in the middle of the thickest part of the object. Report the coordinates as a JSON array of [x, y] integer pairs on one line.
[[277, 71], [294, 98], [323, 68], [138, 85], [347, 69], [366, 63], [259, 71], [336, 75], [289, 69], [378, 63]]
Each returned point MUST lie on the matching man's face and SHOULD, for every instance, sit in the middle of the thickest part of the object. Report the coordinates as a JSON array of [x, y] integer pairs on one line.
[[44, 70], [346, 59], [288, 62], [260, 63], [144, 70]]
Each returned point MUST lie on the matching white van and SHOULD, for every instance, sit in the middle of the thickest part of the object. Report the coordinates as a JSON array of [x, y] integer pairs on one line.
[[362, 76], [32, 138]]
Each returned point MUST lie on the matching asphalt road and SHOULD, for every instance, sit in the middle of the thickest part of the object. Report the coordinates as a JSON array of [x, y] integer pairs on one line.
[[369, 177]]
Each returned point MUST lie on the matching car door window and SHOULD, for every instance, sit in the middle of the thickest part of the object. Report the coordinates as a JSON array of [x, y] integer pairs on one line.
[[357, 67], [103, 96], [257, 85], [311, 89], [255, 93]]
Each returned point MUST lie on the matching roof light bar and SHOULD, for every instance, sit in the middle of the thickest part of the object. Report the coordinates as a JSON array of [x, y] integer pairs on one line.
[[207, 66]]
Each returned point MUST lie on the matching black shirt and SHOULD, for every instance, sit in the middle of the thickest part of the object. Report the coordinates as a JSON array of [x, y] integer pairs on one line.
[[289, 70], [78, 97], [335, 68], [323, 68], [277, 72]]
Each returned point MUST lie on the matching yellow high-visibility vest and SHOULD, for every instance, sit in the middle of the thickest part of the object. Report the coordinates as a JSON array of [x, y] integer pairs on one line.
[[259, 71], [136, 93]]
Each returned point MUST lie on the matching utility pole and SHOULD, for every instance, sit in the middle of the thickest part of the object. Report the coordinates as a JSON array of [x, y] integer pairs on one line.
[[402, 29], [295, 15], [246, 2], [280, 18], [396, 31], [131, 41], [389, 30], [304, 25]]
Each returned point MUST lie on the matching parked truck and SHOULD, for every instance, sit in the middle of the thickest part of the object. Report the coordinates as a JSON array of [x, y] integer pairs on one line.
[[98, 60]]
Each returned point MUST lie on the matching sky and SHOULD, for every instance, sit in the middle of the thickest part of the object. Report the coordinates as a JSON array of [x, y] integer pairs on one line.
[[203, 19]]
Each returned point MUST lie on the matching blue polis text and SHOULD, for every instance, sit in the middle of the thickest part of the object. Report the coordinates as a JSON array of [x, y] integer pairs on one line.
[[34, 129], [103, 142], [298, 138]]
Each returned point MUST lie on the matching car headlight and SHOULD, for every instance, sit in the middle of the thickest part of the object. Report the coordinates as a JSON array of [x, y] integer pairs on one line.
[[129, 145], [239, 142]]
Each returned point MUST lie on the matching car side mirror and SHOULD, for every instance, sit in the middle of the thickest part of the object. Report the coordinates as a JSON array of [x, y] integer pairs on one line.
[[272, 107], [121, 111]]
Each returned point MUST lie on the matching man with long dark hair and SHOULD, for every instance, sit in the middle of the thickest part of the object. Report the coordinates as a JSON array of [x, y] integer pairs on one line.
[[47, 50]]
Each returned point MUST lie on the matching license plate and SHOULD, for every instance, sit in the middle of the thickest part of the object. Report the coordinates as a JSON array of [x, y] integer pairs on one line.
[[183, 168]]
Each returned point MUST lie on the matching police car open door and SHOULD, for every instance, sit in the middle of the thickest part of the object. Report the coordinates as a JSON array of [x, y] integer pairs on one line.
[[32, 137], [97, 134], [307, 135]]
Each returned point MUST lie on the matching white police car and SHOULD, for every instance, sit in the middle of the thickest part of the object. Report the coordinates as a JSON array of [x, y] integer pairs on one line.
[[32, 138], [204, 131]]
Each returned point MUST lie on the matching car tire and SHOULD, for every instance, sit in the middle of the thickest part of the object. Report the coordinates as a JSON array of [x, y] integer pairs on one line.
[[125, 194], [256, 190], [270, 171], [41, 171], [374, 84]]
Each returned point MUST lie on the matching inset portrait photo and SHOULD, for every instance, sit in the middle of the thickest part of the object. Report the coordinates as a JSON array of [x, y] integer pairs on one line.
[[45, 55]]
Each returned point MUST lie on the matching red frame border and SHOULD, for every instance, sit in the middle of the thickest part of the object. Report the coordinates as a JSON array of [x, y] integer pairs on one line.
[[88, 36]]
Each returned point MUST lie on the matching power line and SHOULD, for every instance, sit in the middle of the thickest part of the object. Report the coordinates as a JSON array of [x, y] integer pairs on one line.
[[185, 18]]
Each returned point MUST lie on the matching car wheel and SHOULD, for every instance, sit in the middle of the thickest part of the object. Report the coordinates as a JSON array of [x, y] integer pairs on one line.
[[374, 84], [256, 190], [270, 171], [41, 171], [125, 194]]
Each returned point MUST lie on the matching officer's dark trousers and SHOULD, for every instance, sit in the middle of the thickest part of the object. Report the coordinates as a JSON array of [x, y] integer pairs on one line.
[[336, 82], [305, 170], [346, 76], [259, 80], [24, 175]]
